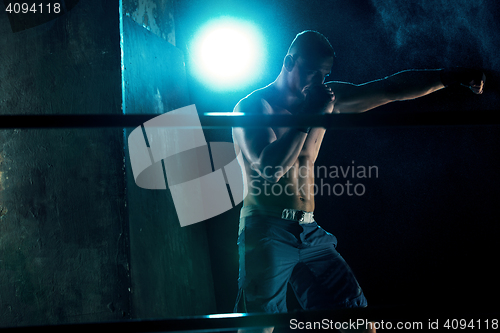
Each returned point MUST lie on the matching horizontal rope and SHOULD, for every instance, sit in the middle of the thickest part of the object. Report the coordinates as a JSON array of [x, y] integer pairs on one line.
[[231, 321], [368, 119]]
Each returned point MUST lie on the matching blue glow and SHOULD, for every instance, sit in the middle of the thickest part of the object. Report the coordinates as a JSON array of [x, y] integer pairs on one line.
[[227, 54], [224, 113], [226, 315]]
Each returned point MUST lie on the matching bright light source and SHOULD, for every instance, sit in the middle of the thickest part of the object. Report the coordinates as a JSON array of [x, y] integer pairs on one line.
[[227, 54]]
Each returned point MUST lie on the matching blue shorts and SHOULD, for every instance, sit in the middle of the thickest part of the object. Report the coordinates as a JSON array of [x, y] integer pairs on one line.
[[274, 252]]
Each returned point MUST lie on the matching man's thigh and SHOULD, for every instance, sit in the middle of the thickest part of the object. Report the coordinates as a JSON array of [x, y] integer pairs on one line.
[[268, 268], [268, 253], [322, 279]]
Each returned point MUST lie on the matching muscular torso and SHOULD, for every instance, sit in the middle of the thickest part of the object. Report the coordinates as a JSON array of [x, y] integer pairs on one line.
[[295, 189]]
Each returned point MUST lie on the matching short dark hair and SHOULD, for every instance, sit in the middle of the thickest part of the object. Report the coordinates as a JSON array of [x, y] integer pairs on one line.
[[311, 43]]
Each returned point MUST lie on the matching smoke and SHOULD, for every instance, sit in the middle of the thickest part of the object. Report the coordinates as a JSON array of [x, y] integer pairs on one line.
[[464, 32]]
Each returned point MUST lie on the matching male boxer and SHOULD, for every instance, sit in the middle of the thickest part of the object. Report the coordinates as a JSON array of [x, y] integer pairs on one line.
[[279, 240]]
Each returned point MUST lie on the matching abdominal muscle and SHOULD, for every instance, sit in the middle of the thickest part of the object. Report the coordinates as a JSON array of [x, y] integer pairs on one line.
[[295, 189]]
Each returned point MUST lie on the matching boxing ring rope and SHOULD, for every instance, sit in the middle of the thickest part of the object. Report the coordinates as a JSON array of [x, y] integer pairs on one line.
[[233, 321], [225, 120]]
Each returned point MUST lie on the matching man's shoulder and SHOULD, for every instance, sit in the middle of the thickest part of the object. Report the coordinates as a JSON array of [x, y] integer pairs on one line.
[[254, 103]]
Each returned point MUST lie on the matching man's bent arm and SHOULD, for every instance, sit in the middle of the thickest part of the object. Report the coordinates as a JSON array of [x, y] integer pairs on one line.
[[269, 156], [409, 84]]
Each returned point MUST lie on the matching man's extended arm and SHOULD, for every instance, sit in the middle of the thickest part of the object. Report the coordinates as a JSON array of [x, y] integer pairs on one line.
[[409, 84]]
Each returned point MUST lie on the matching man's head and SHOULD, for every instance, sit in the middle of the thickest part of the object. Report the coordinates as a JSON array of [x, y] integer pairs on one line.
[[309, 60], [309, 44]]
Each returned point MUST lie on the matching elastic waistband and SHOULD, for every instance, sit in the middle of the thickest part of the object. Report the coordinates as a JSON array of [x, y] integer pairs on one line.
[[290, 214]]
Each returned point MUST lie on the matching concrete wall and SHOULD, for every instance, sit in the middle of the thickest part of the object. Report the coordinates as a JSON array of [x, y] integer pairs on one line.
[[156, 16], [171, 270], [63, 237], [67, 254]]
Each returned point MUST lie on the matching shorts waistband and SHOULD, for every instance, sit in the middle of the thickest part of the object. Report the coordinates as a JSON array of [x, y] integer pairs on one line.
[[290, 214]]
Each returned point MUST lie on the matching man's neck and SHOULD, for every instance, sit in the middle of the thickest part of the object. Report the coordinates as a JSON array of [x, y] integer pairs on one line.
[[283, 95]]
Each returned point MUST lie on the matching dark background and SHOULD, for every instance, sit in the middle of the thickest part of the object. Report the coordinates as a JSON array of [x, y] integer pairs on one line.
[[425, 231], [80, 242]]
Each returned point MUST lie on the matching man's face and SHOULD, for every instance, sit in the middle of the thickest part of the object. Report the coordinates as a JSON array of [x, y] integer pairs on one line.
[[309, 72]]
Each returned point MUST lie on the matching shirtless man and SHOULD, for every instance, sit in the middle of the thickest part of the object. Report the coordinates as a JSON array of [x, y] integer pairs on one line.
[[279, 241]]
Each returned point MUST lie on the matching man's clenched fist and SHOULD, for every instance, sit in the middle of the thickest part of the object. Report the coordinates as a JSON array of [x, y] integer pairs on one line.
[[471, 78], [318, 99]]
